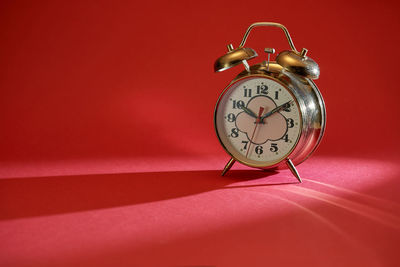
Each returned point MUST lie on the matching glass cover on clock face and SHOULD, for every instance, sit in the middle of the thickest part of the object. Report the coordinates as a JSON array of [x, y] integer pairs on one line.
[[258, 121]]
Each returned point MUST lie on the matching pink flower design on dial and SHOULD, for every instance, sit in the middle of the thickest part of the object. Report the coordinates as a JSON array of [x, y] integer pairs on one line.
[[273, 128]]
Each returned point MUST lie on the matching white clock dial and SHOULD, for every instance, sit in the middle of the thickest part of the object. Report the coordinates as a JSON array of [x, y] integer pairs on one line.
[[258, 121]]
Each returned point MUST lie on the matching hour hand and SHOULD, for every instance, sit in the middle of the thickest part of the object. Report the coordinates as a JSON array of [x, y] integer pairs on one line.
[[248, 111]]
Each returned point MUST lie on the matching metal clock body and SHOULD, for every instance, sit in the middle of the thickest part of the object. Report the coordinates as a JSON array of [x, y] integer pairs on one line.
[[272, 115]]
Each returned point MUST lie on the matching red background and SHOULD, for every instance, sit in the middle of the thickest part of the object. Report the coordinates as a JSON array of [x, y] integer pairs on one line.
[[93, 89]]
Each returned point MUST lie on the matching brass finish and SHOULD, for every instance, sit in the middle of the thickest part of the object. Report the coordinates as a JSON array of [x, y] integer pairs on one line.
[[296, 63], [261, 68], [228, 166], [295, 71], [233, 58]]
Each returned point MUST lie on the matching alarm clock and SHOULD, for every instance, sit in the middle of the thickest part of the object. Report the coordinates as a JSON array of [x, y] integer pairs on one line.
[[271, 115]]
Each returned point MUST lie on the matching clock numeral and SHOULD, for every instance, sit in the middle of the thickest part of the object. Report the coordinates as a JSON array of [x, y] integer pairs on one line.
[[276, 95], [231, 117], [262, 89], [245, 144], [290, 122], [259, 150], [286, 138], [286, 108], [238, 104], [274, 147], [247, 92], [234, 132]]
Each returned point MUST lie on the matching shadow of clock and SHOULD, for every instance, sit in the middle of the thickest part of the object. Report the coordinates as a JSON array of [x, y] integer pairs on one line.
[[38, 196]]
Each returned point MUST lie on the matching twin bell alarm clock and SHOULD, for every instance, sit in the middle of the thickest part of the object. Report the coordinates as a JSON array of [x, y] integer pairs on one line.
[[271, 115]]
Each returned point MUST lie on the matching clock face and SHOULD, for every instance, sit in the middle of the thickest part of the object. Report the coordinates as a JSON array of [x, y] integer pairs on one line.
[[258, 121]]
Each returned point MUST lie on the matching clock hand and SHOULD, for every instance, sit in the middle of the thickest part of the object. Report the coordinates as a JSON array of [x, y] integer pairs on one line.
[[284, 105], [248, 111], [258, 120]]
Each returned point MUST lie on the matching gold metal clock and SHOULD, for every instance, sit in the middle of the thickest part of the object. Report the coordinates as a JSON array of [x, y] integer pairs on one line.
[[271, 115]]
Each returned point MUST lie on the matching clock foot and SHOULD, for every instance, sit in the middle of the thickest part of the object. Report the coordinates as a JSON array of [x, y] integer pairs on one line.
[[228, 166], [292, 168]]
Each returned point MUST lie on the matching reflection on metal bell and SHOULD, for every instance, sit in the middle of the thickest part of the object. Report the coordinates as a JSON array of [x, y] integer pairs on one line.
[[298, 63], [233, 58]]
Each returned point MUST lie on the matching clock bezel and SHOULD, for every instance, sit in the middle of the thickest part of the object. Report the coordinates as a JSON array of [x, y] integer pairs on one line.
[[311, 104], [273, 164]]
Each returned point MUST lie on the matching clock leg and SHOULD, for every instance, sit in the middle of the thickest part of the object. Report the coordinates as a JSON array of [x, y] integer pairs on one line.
[[292, 168], [228, 166]]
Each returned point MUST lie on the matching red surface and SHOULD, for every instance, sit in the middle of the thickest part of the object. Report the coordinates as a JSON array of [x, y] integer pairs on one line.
[[108, 155]]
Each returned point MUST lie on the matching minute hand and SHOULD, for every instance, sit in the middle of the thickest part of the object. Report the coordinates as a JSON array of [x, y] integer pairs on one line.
[[275, 110]]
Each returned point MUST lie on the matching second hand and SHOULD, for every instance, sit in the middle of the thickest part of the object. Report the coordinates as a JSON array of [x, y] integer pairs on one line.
[[258, 121]]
